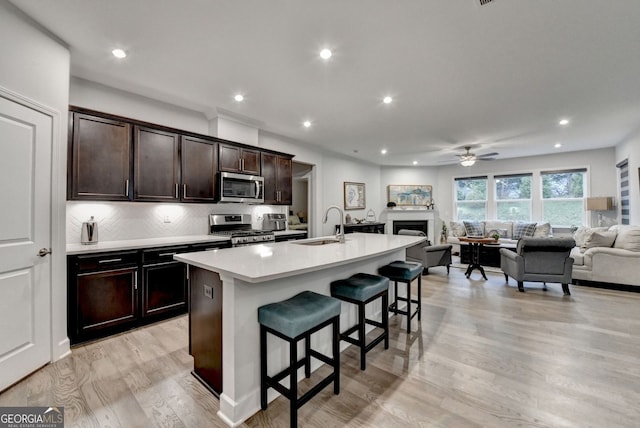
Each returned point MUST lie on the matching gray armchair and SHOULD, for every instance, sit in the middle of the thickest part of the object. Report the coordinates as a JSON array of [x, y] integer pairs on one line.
[[539, 260], [427, 254]]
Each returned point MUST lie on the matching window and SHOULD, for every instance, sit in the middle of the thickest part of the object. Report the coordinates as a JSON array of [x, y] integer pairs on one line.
[[624, 191], [513, 197], [563, 194], [471, 198]]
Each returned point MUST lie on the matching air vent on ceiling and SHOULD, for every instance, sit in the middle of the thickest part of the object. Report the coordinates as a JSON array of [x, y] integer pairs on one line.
[[483, 2]]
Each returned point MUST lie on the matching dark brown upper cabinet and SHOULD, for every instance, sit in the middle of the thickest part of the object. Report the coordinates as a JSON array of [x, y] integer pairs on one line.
[[239, 159], [99, 159], [277, 174], [156, 165], [199, 166], [114, 158]]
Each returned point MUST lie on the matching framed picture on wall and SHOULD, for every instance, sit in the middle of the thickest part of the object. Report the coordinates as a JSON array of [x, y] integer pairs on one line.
[[406, 194], [354, 196]]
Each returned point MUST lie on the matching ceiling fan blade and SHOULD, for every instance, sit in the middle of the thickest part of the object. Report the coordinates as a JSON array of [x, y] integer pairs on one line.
[[487, 155]]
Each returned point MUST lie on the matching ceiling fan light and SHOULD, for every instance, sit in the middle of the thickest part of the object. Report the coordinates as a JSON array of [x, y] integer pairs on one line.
[[467, 162]]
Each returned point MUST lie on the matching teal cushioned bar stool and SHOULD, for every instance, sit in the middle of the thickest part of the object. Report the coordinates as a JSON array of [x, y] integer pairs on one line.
[[360, 289], [405, 272], [292, 320]]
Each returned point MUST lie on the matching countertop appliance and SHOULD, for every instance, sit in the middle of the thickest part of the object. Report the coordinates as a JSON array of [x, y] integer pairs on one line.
[[238, 228], [89, 232], [274, 221], [241, 188]]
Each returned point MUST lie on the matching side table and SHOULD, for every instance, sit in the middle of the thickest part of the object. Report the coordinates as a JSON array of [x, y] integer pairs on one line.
[[476, 244]]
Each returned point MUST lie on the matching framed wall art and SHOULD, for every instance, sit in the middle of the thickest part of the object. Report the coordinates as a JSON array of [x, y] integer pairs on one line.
[[354, 196], [407, 194]]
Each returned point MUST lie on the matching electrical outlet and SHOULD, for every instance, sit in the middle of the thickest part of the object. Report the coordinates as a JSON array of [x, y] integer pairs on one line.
[[208, 291], [167, 219]]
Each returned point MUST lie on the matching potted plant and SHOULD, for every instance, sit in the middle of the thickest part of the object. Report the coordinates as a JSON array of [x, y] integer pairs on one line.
[[495, 236]]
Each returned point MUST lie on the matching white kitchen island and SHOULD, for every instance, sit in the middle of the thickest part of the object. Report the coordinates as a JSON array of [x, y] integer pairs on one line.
[[256, 275]]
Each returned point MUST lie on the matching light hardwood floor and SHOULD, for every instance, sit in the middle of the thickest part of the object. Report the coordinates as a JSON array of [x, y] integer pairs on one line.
[[484, 355]]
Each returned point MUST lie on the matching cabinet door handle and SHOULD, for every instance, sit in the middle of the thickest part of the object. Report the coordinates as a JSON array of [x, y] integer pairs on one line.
[[126, 187], [110, 260], [135, 281], [184, 190], [177, 195], [240, 164], [166, 254]]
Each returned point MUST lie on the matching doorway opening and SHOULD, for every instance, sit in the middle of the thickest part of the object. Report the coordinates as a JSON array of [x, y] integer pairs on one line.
[[302, 196]]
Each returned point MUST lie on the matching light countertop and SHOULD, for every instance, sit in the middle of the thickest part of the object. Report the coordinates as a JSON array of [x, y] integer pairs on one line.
[[131, 244], [289, 232], [264, 262]]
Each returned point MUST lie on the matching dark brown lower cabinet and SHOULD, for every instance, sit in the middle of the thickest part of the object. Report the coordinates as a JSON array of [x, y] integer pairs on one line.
[[205, 327], [103, 295], [164, 289], [116, 291]]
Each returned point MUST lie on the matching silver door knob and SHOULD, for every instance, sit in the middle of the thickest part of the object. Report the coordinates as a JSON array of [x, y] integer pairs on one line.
[[44, 251]]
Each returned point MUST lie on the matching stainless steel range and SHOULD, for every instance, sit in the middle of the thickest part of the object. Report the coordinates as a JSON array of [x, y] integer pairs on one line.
[[238, 228]]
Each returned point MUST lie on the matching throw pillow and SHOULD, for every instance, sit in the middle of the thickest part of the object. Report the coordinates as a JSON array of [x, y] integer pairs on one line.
[[474, 228], [457, 228], [633, 241], [542, 230], [294, 219], [523, 229], [628, 238], [582, 232], [597, 238]]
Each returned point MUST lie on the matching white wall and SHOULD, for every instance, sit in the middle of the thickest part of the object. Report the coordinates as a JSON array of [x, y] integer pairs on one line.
[[36, 66], [229, 129], [300, 195], [336, 171], [91, 95], [630, 150], [600, 163]]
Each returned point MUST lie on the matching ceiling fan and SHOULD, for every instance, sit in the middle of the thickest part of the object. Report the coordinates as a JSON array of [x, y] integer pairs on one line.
[[468, 158]]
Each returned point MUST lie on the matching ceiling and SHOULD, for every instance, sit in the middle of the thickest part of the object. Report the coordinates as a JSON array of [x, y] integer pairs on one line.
[[497, 77]]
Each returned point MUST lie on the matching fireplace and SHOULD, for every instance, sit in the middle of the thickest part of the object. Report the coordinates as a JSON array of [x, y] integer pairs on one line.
[[421, 225], [427, 218]]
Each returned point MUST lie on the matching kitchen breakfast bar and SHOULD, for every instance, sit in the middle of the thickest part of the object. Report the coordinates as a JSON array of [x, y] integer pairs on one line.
[[236, 281]]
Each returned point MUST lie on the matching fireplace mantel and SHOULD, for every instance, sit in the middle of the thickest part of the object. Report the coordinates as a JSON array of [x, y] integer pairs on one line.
[[389, 215]]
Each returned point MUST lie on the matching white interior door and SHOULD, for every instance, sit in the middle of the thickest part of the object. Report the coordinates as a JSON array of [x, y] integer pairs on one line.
[[25, 220]]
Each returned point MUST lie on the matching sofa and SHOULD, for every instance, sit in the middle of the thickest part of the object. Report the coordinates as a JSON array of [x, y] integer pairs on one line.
[[296, 224], [509, 231], [608, 255]]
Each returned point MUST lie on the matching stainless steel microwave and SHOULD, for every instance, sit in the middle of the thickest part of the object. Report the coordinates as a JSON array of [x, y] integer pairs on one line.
[[241, 188]]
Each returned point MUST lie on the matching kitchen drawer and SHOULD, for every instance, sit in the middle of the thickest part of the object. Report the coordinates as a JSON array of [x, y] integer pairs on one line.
[[106, 261], [162, 254], [209, 246]]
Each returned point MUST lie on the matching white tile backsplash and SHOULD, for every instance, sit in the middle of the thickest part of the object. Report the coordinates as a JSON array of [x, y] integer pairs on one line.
[[139, 220]]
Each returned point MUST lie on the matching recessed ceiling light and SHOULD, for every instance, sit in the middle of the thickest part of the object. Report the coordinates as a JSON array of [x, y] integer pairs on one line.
[[325, 53], [415, 162], [557, 145], [387, 100], [563, 122], [239, 97], [383, 151], [306, 123], [119, 53]]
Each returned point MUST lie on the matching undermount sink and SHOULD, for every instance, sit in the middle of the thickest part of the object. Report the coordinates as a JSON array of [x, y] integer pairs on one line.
[[316, 241]]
